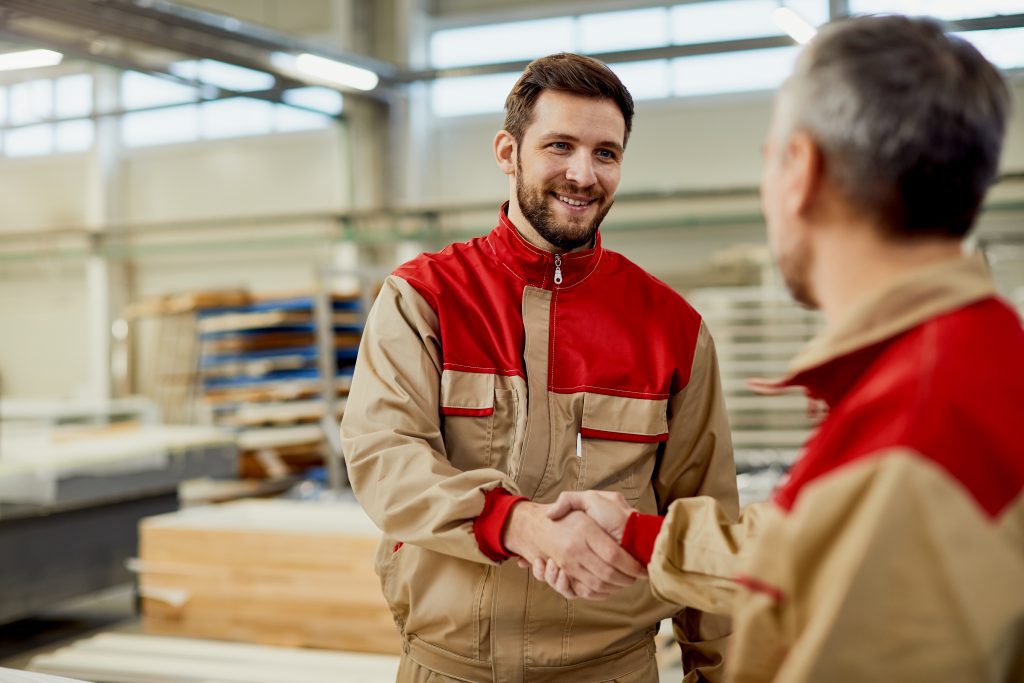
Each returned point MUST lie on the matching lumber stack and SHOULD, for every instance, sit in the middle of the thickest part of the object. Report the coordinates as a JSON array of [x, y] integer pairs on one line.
[[275, 572]]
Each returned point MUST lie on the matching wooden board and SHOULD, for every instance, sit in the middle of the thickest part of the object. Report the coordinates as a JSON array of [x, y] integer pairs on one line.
[[274, 572], [131, 658]]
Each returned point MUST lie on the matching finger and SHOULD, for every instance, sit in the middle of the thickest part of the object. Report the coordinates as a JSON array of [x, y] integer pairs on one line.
[[615, 556], [564, 586], [567, 502], [539, 566], [523, 563], [551, 573]]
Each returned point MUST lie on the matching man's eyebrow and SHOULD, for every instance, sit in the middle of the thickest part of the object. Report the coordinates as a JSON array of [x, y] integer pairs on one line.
[[555, 135]]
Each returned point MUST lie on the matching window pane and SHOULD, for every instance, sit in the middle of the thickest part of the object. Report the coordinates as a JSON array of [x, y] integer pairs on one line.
[[327, 100], [629, 30], [139, 91], [950, 10], [708, 22], [649, 80], [471, 94], [3, 106], [31, 101], [75, 136], [235, 117], [733, 71], [501, 42], [1002, 47], [74, 96], [160, 126], [29, 141], [288, 119], [223, 75]]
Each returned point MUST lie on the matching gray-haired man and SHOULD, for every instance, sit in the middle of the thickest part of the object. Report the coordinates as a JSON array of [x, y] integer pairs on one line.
[[895, 550]]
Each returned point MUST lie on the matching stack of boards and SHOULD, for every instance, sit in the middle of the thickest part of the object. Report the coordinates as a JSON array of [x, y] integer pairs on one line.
[[275, 572], [138, 658], [259, 367]]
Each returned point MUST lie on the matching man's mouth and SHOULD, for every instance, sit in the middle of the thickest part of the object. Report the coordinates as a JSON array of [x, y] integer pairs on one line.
[[576, 202]]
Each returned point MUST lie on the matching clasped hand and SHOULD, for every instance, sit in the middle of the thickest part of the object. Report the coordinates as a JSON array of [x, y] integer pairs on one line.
[[574, 543]]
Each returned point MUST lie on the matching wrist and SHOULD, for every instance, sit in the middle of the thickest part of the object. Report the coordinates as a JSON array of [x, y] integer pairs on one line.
[[516, 535]]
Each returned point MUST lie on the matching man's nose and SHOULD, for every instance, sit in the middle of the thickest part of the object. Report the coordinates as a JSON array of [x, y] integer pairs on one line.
[[581, 170]]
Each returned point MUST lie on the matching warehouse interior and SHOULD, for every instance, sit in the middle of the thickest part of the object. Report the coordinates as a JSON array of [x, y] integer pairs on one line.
[[199, 202]]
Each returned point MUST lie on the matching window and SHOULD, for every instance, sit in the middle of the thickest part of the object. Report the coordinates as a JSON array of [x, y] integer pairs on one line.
[[236, 117], [74, 136], [628, 30], [160, 126], [139, 91], [31, 101], [288, 119], [29, 141], [506, 42], [1002, 47], [73, 96], [223, 75], [727, 72], [647, 80], [471, 94], [326, 100], [949, 10]]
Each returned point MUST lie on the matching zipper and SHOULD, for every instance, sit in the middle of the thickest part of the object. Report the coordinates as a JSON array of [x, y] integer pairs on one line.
[[558, 269]]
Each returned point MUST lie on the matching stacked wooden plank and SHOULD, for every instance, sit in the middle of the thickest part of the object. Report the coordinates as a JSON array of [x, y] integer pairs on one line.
[[261, 370], [757, 332], [135, 658], [275, 572]]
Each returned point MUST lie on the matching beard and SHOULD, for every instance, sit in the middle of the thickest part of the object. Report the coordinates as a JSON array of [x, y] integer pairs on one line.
[[566, 235], [795, 266]]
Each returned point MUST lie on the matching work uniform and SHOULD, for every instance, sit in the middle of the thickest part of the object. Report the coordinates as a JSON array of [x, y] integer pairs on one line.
[[494, 370], [895, 550]]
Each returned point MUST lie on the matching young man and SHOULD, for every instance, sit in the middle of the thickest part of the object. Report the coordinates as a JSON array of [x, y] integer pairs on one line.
[[895, 550], [504, 370]]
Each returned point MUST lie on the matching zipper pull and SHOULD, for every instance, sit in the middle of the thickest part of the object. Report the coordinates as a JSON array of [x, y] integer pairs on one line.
[[558, 269]]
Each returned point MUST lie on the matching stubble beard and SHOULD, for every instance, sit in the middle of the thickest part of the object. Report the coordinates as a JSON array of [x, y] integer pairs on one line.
[[566, 235], [795, 267]]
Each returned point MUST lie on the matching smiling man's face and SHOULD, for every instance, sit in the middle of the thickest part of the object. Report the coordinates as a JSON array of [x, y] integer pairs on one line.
[[568, 166]]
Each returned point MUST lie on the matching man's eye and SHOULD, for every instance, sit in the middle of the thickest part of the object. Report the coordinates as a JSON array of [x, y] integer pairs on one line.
[[560, 145], [606, 154]]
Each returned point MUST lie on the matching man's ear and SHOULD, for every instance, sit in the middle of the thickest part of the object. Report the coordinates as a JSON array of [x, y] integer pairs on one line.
[[805, 170], [505, 150]]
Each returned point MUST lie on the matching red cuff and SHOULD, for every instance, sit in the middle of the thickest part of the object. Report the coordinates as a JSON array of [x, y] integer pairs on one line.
[[490, 525], [639, 535]]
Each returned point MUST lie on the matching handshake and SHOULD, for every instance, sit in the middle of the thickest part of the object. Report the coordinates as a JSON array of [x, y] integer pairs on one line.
[[573, 544]]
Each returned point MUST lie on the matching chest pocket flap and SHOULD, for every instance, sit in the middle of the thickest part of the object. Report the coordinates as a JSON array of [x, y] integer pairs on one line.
[[624, 419], [619, 443], [467, 394]]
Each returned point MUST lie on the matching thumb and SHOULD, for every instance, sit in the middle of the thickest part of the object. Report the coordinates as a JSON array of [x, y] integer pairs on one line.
[[566, 503]]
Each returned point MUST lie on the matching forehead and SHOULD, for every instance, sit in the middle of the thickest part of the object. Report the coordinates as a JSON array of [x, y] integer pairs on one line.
[[587, 118]]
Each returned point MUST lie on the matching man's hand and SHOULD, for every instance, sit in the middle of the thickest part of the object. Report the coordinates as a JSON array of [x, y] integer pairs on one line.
[[593, 564], [609, 509]]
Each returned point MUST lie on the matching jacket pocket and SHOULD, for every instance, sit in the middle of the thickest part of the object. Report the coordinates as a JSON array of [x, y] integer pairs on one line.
[[619, 440], [479, 420]]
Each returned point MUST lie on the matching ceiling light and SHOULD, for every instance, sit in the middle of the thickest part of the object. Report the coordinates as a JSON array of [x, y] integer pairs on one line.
[[793, 24], [29, 59], [326, 70]]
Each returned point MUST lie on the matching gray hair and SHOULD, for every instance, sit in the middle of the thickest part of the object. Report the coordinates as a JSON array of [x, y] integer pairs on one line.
[[910, 120]]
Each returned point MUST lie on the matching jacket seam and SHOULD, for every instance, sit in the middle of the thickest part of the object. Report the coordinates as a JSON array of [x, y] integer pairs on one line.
[[621, 391]]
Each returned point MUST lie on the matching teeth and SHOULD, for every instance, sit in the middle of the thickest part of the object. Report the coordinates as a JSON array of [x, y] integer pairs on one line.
[[572, 202]]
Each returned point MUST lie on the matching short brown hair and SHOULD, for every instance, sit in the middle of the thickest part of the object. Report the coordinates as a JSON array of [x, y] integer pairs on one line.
[[564, 72]]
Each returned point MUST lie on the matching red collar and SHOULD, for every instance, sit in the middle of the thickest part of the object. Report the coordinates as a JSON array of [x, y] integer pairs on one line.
[[534, 265]]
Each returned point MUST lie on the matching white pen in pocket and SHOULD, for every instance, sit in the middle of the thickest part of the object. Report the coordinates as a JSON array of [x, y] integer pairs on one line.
[[579, 445]]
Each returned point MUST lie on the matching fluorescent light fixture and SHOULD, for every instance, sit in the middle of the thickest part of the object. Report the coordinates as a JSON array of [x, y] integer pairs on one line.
[[793, 24], [335, 72], [29, 59]]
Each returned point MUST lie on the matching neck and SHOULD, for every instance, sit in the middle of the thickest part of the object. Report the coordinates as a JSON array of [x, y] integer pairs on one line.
[[852, 260]]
